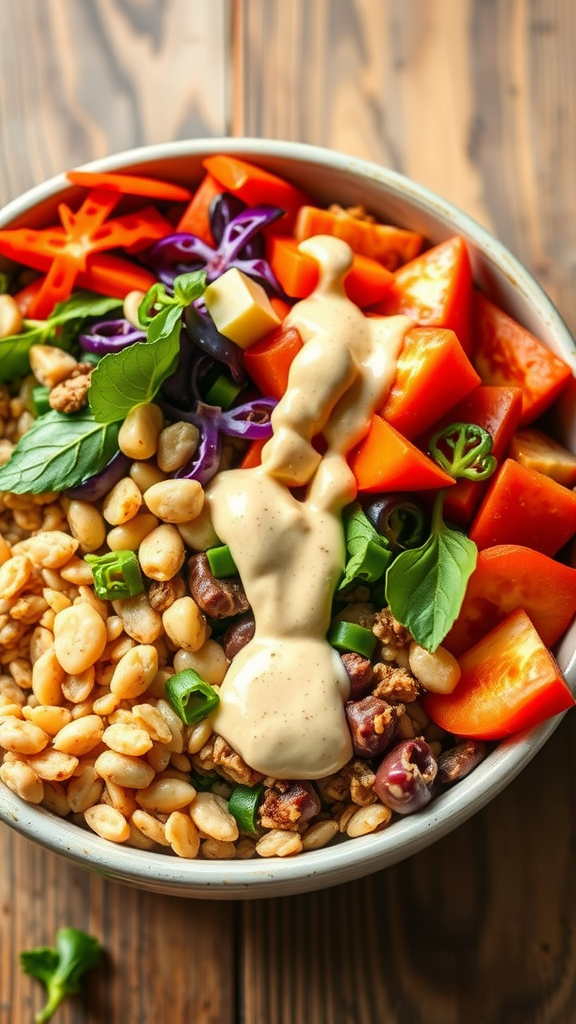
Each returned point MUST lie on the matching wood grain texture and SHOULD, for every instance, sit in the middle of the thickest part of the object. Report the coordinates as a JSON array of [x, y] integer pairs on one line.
[[81, 80], [476, 99]]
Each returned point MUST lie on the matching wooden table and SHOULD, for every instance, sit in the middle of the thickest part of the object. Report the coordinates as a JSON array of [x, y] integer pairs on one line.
[[477, 99]]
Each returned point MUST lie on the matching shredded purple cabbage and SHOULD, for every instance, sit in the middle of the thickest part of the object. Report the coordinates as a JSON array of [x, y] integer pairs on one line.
[[250, 421], [110, 336], [180, 253]]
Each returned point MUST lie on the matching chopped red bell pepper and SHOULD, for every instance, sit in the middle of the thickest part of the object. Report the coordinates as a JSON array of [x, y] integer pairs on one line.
[[506, 353], [435, 289]]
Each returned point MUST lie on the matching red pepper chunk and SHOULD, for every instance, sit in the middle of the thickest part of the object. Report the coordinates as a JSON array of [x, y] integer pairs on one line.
[[64, 251]]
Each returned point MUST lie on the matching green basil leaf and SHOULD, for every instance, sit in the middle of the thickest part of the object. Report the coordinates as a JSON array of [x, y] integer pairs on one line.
[[188, 287], [57, 452], [368, 564], [14, 352], [425, 586], [81, 305], [132, 376], [164, 323], [359, 531]]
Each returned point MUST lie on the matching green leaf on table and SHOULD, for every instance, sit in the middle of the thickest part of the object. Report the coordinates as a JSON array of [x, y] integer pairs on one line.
[[57, 452], [425, 586], [132, 376], [61, 968]]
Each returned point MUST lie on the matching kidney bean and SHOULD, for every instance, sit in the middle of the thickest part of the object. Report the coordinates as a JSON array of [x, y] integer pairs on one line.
[[238, 635], [372, 724], [457, 762], [360, 673], [405, 776]]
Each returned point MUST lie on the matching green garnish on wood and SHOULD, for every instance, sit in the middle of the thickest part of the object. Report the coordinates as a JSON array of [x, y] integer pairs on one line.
[[62, 967]]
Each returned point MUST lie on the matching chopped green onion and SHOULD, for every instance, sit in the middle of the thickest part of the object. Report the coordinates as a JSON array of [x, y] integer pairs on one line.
[[348, 636], [41, 399], [222, 392], [243, 804], [191, 696], [116, 575], [221, 561]]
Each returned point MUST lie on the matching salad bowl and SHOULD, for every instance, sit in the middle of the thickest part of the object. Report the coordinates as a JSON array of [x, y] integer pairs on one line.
[[328, 177]]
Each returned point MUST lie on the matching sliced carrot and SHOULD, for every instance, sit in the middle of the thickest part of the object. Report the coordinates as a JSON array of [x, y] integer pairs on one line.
[[390, 245], [366, 282], [280, 307], [255, 186], [196, 217], [268, 361], [115, 276], [131, 184], [432, 373], [435, 289], [253, 456], [386, 461]]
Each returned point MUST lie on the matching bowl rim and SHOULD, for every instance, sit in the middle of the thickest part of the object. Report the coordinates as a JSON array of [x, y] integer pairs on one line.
[[346, 860]]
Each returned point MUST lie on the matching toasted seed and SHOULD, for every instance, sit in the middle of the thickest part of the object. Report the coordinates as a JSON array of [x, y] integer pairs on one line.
[[80, 736]]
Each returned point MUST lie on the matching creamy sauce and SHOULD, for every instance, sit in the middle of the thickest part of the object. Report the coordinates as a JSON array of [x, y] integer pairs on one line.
[[282, 700]]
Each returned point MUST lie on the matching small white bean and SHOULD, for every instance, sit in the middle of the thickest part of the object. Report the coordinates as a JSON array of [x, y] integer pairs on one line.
[[438, 672], [108, 823], [175, 501], [138, 435], [135, 671], [185, 624], [79, 637], [210, 813], [161, 554]]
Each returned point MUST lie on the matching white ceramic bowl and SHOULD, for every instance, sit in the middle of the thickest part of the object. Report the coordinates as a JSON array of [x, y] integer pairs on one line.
[[330, 177]]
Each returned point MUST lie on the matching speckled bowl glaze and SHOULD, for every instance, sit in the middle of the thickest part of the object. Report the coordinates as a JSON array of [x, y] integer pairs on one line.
[[330, 177]]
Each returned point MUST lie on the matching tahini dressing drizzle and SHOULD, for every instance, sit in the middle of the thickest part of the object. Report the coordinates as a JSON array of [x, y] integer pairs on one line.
[[282, 700]]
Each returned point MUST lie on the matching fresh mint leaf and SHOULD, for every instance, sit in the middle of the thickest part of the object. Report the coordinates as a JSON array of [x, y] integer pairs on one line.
[[132, 376], [425, 586], [61, 968], [57, 452]]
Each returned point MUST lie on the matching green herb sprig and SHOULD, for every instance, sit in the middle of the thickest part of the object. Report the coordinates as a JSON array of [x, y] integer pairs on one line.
[[425, 586], [62, 967], [134, 375]]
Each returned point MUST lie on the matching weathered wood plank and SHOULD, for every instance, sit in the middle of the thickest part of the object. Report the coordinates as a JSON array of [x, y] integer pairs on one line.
[[81, 80]]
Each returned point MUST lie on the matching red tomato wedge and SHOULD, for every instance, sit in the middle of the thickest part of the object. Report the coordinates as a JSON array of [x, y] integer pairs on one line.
[[432, 373], [435, 289], [509, 682], [196, 217], [366, 282], [131, 185], [508, 577], [390, 245], [256, 186], [386, 461], [525, 507], [496, 409], [268, 362], [506, 353]]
